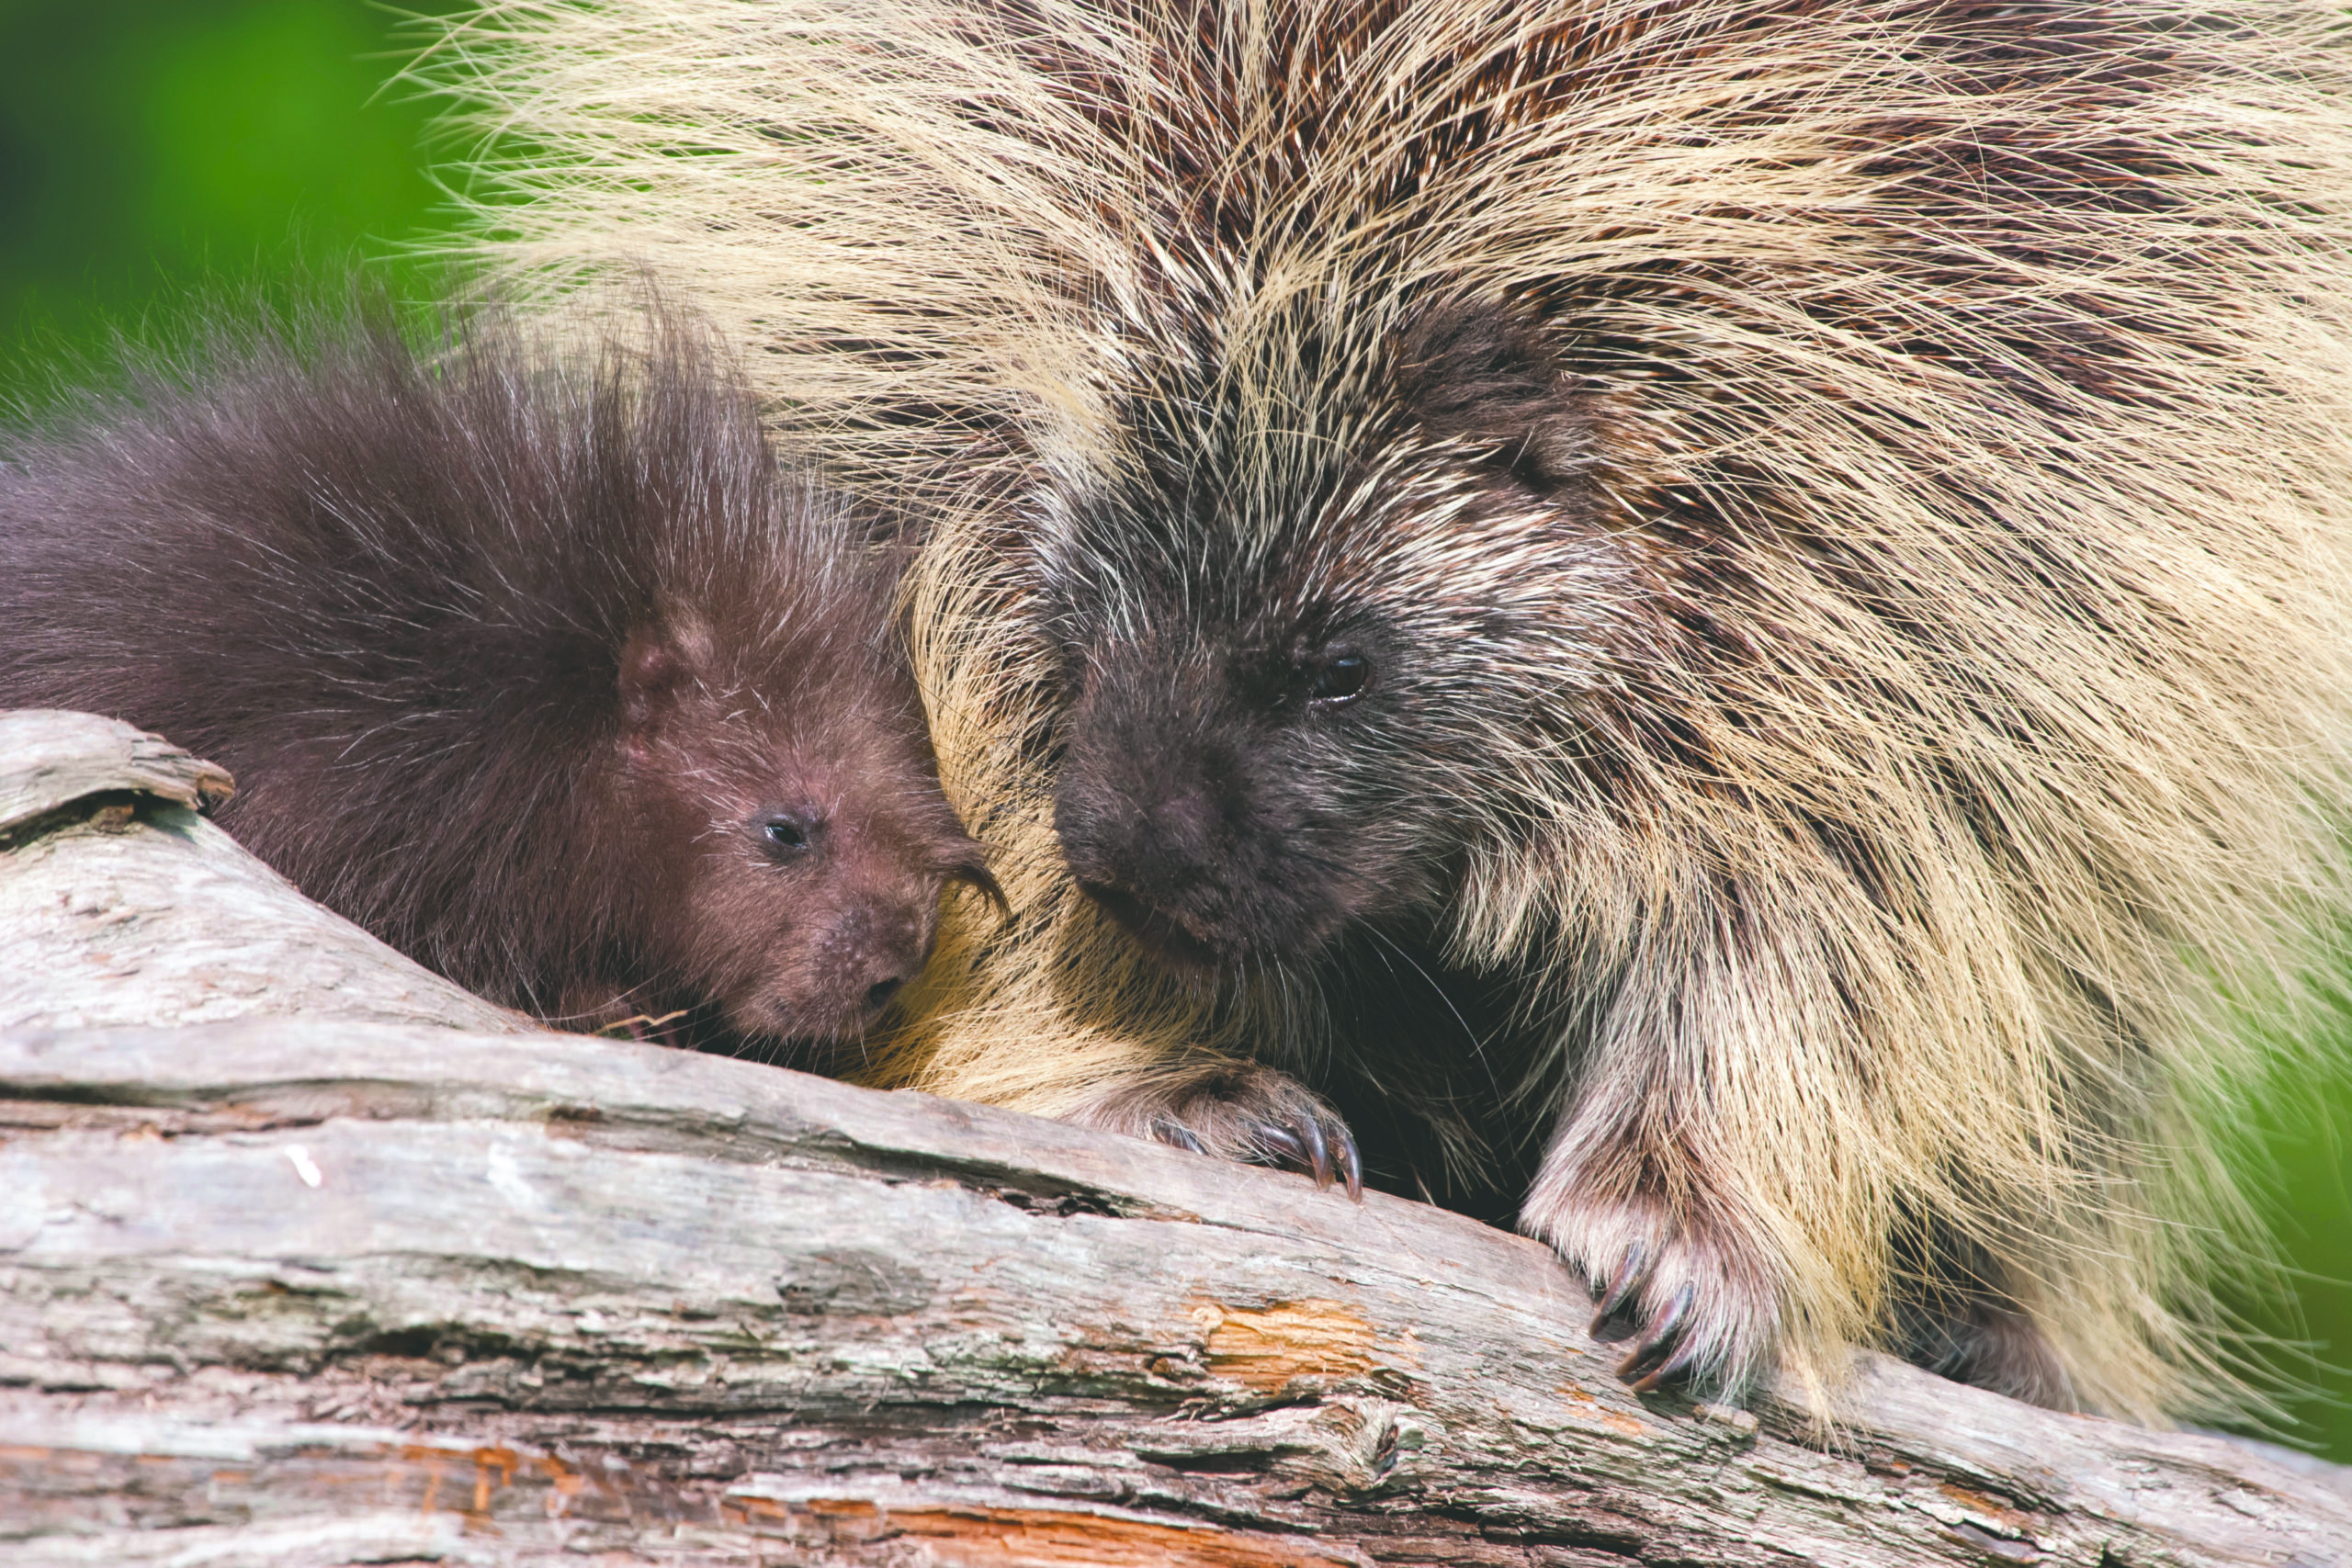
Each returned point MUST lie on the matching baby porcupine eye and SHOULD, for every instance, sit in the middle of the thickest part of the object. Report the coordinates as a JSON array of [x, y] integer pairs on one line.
[[1338, 678], [787, 835]]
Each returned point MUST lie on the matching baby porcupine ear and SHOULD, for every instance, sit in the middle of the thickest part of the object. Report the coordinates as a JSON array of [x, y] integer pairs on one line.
[[662, 662], [1486, 375]]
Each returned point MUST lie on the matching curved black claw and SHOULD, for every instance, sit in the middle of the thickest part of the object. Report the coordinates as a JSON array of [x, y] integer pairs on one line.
[[1613, 1292], [1238, 1112], [1313, 1140], [1176, 1133], [1690, 1296], [1663, 1351], [1350, 1162]]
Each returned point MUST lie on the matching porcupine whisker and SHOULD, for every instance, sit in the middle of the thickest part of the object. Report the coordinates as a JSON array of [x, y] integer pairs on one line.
[[1478, 1045]]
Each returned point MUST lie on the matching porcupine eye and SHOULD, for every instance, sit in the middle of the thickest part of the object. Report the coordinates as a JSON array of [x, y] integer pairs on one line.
[[1340, 679], [786, 834]]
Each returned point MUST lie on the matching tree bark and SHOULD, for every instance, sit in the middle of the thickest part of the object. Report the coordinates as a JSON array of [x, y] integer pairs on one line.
[[306, 1283], [120, 904]]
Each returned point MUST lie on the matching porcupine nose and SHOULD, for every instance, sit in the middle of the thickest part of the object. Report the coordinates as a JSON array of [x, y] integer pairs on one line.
[[1152, 800], [887, 974], [1143, 855], [875, 953], [1136, 842]]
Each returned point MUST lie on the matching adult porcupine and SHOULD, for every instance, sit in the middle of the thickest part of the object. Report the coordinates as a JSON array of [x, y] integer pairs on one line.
[[1783, 565], [528, 656]]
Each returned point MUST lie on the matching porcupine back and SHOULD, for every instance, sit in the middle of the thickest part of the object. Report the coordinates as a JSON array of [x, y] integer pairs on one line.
[[1940, 694], [410, 594]]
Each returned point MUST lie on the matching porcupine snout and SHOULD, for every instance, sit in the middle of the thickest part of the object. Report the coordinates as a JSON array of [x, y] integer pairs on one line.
[[1182, 814], [869, 955], [1147, 838]]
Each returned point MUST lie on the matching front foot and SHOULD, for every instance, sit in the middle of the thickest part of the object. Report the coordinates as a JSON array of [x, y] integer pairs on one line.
[[1234, 1111], [1986, 1343], [1689, 1296]]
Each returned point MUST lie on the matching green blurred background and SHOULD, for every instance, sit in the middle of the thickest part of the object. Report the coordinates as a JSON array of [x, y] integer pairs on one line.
[[155, 149]]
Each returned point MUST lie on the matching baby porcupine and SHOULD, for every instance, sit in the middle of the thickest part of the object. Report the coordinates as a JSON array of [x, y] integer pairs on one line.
[[525, 653], [1737, 610]]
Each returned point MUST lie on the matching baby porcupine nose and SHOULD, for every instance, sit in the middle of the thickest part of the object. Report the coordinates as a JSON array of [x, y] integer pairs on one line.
[[875, 953], [878, 995]]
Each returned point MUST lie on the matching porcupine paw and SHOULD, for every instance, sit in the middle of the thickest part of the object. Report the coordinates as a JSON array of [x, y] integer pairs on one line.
[[1688, 1300], [1249, 1114], [1971, 1339]]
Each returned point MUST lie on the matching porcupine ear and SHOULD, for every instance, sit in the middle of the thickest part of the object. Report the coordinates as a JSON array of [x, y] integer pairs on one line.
[[1485, 374], [663, 664]]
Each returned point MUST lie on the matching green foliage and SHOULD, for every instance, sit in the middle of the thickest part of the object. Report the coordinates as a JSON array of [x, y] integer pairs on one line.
[[153, 149], [2297, 1173]]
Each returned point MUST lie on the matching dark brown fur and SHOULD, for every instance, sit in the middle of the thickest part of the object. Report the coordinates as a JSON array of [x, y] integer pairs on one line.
[[538, 667]]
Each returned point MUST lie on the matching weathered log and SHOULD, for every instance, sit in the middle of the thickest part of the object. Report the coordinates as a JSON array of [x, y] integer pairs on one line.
[[309, 1289], [120, 904]]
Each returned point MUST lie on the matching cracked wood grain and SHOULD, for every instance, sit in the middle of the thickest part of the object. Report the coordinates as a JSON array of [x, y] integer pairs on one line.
[[120, 904], [309, 1287]]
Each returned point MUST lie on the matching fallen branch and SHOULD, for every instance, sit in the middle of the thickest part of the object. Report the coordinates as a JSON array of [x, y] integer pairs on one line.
[[120, 904]]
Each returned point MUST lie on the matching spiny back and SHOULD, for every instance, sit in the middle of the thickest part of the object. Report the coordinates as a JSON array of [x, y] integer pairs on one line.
[[932, 219], [390, 586]]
